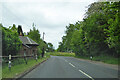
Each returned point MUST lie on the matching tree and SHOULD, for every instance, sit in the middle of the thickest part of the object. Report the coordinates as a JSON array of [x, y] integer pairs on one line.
[[98, 33], [50, 47], [113, 30], [34, 34], [11, 43]]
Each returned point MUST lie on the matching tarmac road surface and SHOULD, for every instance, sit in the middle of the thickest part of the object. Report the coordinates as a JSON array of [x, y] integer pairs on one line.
[[69, 67]]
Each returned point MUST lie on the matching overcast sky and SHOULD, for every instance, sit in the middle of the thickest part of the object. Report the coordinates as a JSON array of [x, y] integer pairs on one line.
[[50, 16]]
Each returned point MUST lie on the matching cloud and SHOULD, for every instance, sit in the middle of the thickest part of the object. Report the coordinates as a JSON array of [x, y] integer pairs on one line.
[[50, 16], [48, 1]]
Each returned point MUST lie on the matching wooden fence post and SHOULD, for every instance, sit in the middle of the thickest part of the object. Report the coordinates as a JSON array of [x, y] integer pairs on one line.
[[25, 56], [36, 57]]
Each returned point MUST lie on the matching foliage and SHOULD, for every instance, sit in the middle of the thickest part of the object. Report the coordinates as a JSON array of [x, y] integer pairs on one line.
[[113, 30], [61, 54], [35, 35], [11, 43], [20, 68], [50, 47], [97, 34]]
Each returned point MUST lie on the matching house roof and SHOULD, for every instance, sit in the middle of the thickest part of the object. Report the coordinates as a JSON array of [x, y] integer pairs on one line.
[[27, 41], [26, 46]]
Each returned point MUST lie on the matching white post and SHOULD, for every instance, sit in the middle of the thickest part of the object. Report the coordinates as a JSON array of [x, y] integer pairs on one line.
[[91, 57], [9, 64]]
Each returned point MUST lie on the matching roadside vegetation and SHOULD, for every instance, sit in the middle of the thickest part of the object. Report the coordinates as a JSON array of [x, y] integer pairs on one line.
[[105, 59], [98, 35], [102, 58], [61, 54], [20, 67], [11, 44]]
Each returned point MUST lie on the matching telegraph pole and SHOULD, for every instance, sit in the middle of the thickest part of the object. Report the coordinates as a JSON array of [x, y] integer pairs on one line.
[[43, 35], [43, 46]]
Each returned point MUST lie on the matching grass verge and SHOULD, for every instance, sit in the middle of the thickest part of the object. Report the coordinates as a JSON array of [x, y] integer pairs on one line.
[[105, 59], [21, 68], [102, 58], [61, 54], [18, 69], [0, 71]]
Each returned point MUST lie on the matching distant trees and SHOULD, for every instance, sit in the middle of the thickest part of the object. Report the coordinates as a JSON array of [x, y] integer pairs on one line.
[[50, 47], [97, 34]]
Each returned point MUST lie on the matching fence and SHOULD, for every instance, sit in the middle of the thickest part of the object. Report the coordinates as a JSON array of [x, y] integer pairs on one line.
[[16, 60]]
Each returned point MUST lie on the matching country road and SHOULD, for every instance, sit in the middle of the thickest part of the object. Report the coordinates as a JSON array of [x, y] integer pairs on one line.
[[69, 67]]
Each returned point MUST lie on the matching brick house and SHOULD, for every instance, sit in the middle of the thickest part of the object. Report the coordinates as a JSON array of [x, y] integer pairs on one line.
[[29, 47]]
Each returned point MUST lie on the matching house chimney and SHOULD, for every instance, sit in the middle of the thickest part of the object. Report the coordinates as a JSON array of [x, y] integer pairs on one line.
[[20, 32]]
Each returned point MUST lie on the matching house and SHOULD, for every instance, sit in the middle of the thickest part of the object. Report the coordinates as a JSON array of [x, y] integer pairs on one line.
[[29, 47]]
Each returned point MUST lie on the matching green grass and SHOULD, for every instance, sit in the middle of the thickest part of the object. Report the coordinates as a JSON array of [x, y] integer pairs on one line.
[[0, 72], [105, 59], [82, 57], [102, 58], [20, 68], [61, 54]]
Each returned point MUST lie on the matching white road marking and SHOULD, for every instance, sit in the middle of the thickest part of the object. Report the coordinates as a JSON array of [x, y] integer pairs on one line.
[[86, 74], [66, 61], [81, 71], [72, 65]]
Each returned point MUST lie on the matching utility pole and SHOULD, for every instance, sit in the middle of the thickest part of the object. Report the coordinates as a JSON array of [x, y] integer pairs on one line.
[[43, 46], [43, 36]]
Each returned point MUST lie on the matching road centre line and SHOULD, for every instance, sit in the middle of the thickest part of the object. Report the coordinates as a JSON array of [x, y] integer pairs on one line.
[[86, 74], [81, 71], [72, 65], [66, 61]]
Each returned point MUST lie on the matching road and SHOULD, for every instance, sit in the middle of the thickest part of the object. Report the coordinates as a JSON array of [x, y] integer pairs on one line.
[[69, 67]]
